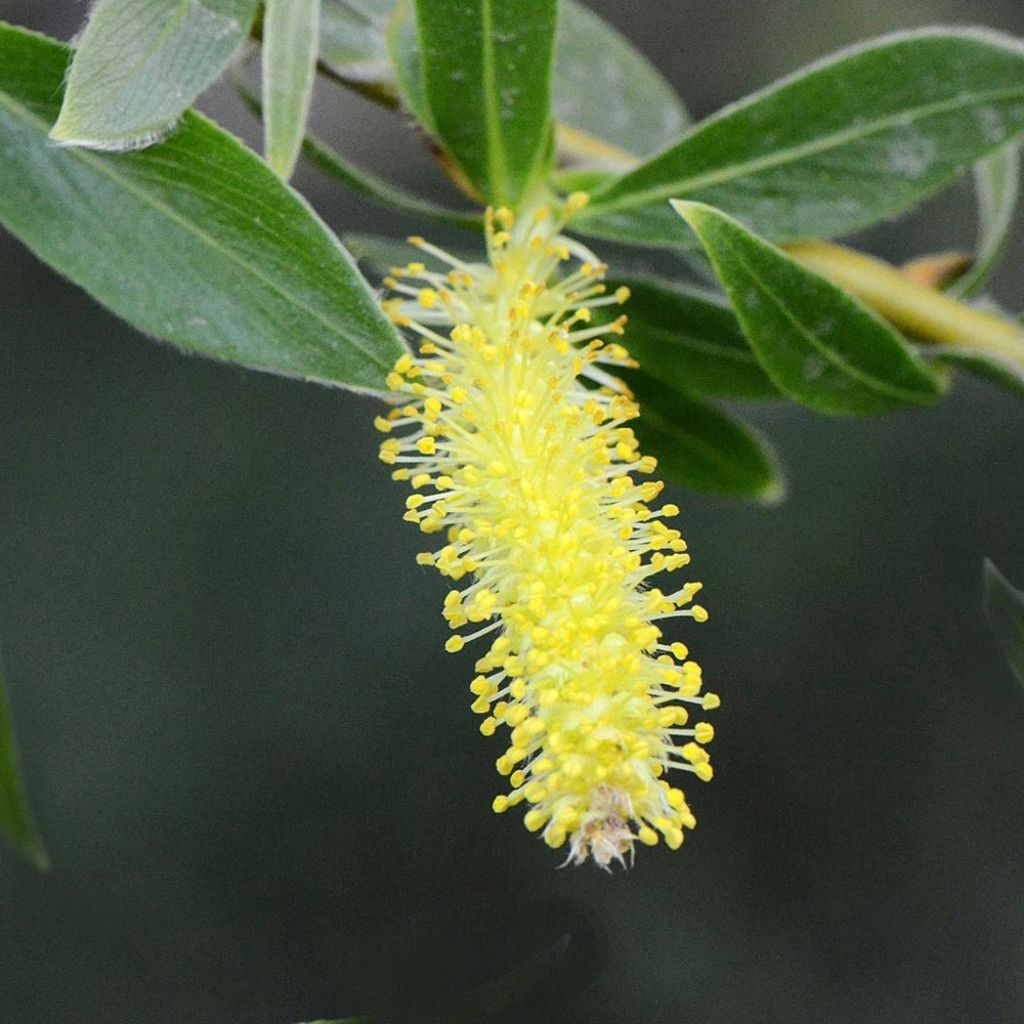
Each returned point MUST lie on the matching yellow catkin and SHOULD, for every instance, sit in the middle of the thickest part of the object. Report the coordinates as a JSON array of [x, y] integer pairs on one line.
[[512, 430]]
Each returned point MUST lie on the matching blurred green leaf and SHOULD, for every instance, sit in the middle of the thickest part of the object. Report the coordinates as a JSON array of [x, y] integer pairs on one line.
[[1004, 606], [195, 241], [995, 370], [817, 343], [15, 819], [373, 10], [997, 184], [699, 446], [604, 86], [403, 41], [291, 33], [840, 145], [556, 964], [347, 1020], [352, 40], [691, 340], [487, 82], [139, 65]]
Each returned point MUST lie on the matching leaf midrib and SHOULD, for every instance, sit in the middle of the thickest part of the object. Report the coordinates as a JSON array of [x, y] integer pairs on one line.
[[680, 188], [838, 361], [24, 114], [497, 166]]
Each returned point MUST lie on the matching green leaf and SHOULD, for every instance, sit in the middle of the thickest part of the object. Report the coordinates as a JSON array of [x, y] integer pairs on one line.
[[993, 369], [1004, 606], [621, 98], [604, 86], [365, 182], [849, 141], [818, 344], [563, 964], [403, 42], [195, 241], [352, 41], [487, 82], [15, 819], [699, 446], [291, 32], [691, 340], [997, 183], [141, 63]]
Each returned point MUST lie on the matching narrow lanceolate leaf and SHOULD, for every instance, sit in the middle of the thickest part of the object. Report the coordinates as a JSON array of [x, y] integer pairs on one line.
[[291, 32], [700, 447], [487, 83], [15, 820], [858, 137], [691, 340], [195, 241], [1004, 606], [997, 183], [141, 63], [1002, 372], [817, 343], [605, 87]]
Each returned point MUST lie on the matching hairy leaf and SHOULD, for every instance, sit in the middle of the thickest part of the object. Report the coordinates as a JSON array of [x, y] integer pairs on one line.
[[487, 83], [817, 343], [291, 34], [195, 241], [1004, 606], [840, 145], [141, 63], [15, 819]]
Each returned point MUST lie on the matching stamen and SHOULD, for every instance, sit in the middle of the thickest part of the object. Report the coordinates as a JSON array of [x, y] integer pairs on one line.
[[529, 473]]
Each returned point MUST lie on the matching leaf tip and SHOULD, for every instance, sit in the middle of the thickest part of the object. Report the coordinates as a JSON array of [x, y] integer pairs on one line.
[[689, 210], [38, 857], [992, 579], [774, 492]]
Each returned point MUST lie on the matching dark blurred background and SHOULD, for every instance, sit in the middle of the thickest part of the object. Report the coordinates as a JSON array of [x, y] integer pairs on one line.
[[257, 772]]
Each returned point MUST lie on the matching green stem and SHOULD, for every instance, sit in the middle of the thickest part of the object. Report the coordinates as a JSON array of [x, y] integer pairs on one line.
[[926, 314]]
